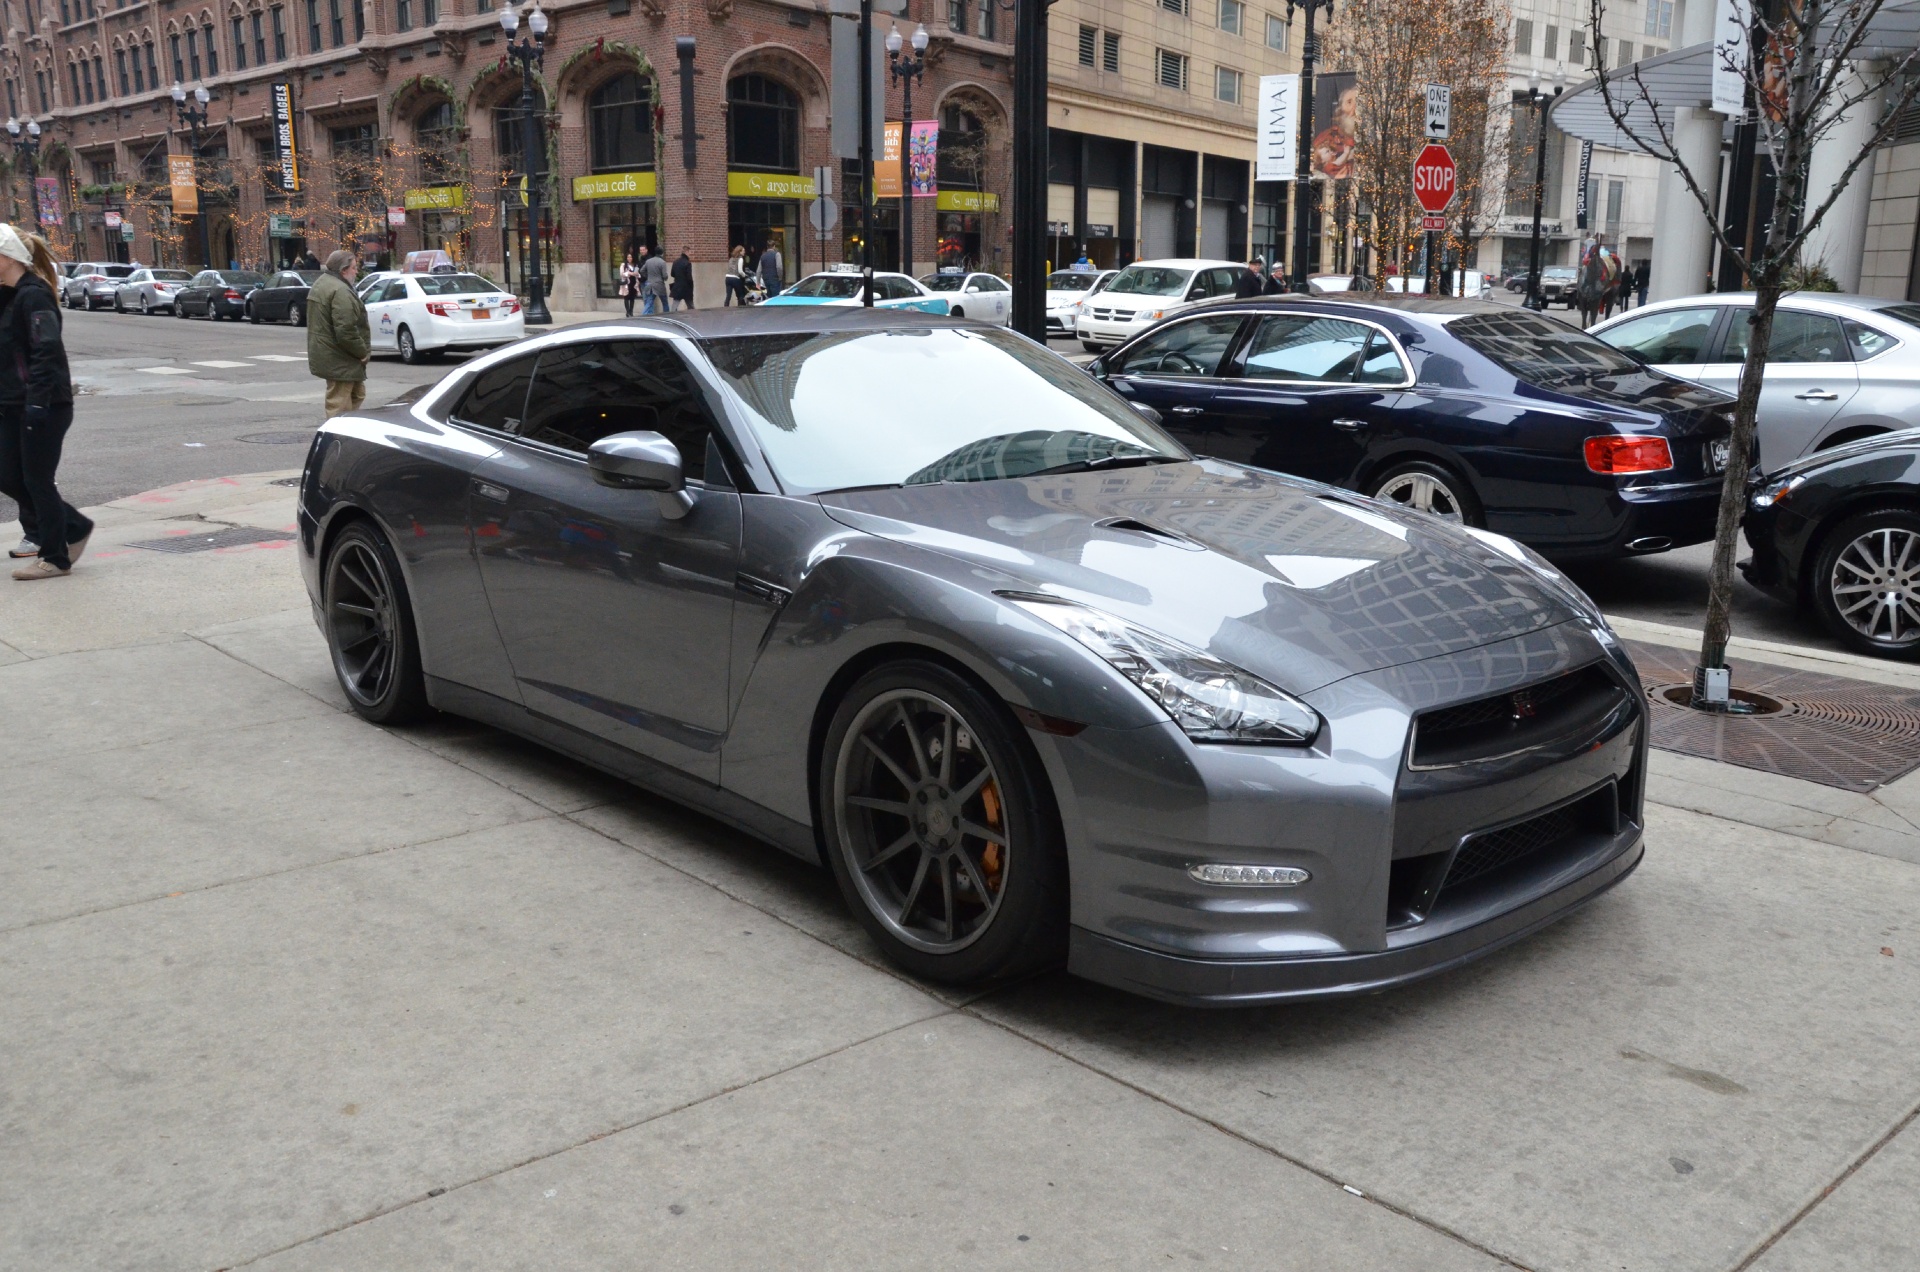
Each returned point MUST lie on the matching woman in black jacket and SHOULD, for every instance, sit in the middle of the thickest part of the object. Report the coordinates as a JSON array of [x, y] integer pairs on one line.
[[682, 273], [36, 409]]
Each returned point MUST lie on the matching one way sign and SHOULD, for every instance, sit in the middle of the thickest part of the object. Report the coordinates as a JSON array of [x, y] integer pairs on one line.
[[1439, 111]]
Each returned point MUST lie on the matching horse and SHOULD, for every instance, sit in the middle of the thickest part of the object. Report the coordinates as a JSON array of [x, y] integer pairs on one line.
[[1600, 286]]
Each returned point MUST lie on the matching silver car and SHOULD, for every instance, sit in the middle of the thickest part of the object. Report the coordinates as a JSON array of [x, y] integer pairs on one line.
[[90, 284], [149, 290], [1839, 368]]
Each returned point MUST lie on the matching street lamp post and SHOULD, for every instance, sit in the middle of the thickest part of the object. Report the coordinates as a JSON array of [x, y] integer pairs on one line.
[[26, 144], [528, 53], [195, 118], [1303, 171], [1539, 102], [905, 70]]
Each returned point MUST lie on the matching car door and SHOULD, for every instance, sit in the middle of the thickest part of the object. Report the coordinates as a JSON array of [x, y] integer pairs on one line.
[[127, 294], [383, 316], [616, 619], [270, 302], [1172, 369], [1309, 395], [1673, 340], [194, 297], [1810, 377]]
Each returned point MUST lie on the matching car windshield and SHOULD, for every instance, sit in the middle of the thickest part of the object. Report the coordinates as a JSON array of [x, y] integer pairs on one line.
[[986, 404], [827, 286], [238, 277], [172, 275], [1557, 271], [454, 284], [1539, 350], [1150, 280], [1070, 280], [943, 282]]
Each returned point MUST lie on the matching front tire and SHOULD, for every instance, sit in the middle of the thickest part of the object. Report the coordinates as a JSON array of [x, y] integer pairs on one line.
[[1866, 583], [1429, 488], [370, 629], [253, 315], [297, 314], [940, 827], [146, 305]]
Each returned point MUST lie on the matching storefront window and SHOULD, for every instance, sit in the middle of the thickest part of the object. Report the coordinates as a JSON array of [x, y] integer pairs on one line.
[[756, 223], [621, 115], [959, 241], [763, 125], [617, 228], [439, 140]]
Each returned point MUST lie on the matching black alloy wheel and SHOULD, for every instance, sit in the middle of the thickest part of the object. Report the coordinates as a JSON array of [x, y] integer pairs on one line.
[[370, 629], [940, 827], [297, 314], [409, 351], [1866, 582], [1429, 488]]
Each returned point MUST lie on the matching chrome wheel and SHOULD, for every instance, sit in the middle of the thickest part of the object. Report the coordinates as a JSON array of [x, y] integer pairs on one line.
[[1875, 585], [362, 621], [1424, 492], [922, 821]]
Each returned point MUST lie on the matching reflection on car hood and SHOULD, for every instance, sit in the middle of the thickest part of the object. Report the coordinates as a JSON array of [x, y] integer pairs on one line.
[[1296, 582], [1688, 409]]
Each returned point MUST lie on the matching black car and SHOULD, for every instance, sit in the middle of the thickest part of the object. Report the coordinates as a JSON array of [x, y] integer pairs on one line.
[[216, 293], [282, 298], [1476, 412], [1840, 531]]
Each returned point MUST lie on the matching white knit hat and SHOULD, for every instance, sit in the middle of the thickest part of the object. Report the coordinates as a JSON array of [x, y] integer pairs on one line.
[[11, 245]]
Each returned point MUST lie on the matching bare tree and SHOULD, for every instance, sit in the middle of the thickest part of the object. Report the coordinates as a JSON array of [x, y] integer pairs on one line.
[[1803, 68]]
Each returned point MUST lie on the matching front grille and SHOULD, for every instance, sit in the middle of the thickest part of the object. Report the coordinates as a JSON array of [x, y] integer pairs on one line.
[[1489, 852], [1110, 315], [1506, 722]]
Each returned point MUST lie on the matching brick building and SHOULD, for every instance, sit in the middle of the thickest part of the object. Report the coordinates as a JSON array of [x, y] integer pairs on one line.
[[408, 126]]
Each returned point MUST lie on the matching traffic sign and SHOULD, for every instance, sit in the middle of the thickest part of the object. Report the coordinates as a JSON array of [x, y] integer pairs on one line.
[[1435, 180], [823, 214], [1439, 111], [1433, 223]]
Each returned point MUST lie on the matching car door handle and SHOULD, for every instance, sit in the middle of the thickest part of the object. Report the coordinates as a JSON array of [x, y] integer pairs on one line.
[[1817, 395], [1186, 410], [487, 490], [1350, 426]]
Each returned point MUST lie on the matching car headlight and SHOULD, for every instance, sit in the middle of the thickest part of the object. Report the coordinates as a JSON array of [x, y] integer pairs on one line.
[[1773, 492], [1211, 700]]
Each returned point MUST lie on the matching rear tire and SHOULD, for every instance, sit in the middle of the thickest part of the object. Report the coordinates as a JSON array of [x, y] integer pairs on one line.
[[297, 314], [409, 352], [370, 630], [940, 827], [1864, 563], [1429, 488]]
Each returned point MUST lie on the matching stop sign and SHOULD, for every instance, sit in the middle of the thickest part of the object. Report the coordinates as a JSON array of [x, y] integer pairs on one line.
[[1434, 179]]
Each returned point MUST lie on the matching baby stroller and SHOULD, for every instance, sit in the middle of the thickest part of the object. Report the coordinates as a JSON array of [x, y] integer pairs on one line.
[[755, 292]]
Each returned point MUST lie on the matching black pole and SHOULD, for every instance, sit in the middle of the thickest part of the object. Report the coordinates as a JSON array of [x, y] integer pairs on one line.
[[206, 243], [906, 183], [528, 53], [1539, 192], [866, 153], [1029, 168], [1303, 208]]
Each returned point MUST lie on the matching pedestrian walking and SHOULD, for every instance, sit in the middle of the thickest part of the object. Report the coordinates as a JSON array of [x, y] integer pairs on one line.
[[736, 278], [1276, 284], [36, 409], [682, 287], [630, 280], [338, 339], [309, 261], [1253, 282], [772, 270], [653, 284], [1640, 274]]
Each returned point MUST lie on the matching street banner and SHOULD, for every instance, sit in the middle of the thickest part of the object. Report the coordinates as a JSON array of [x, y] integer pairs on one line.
[[886, 168], [1580, 194], [923, 153], [1731, 19], [186, 193], [1336, 115], [844, 87], [286, 146], [1278, 125], [46, 197]]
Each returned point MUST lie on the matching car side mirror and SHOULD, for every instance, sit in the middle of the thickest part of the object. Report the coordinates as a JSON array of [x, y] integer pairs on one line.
[[1152, 416], [1097, 368], [642, 460]]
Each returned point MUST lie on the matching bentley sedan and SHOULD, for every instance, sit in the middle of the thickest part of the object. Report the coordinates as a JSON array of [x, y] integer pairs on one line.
[[1469, 410], [916, 600]]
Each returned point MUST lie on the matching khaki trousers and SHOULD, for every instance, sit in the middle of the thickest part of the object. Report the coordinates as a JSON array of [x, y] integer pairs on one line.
[[345, 395]]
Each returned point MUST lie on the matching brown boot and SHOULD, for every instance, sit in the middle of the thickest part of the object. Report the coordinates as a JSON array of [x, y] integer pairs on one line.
[[40, 570]]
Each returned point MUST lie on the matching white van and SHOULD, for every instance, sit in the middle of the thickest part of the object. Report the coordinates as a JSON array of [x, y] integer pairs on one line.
[[1147, 291]]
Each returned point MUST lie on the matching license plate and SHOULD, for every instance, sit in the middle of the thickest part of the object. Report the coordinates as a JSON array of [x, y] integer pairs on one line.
[[1717, 452], [488, 313]]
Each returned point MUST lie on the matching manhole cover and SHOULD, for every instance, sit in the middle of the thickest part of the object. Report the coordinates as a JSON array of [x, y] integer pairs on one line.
[[277, 439], [232, 537], [1850, 734]]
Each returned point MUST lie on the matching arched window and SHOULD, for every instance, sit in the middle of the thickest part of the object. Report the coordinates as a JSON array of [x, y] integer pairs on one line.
[[962, 156], [763, 124], [437, 133], [621, 119]]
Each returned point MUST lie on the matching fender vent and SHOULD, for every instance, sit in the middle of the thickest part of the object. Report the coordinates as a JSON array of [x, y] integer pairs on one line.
[[1131, 525]]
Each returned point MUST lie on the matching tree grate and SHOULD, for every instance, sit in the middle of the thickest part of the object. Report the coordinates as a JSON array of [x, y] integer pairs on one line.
[[232, 537], [1853, 735]]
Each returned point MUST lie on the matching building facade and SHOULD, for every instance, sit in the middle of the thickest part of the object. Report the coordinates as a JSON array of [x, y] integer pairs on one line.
[[696, 124]]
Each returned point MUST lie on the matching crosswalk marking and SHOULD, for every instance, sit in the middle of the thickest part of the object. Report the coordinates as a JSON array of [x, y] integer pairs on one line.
[[222, 364], [166, 370], [275, 357]]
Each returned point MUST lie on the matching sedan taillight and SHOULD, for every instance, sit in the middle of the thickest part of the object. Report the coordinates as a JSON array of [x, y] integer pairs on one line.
[[512, 307], [440, 308], [231, 294], [1622, 455]]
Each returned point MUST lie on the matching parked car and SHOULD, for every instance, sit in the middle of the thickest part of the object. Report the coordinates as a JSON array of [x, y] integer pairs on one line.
[[1066, 288], [844, 287], [1306, 745], [1839, 368], [1147, 291], [1559, 285], [93, 283], [985, 297], [364, 284], [217, 293], [149, 290], [1406, 284], [282, 298], [422, 315], [1338, 284], [1470, 410], [1838, 531]]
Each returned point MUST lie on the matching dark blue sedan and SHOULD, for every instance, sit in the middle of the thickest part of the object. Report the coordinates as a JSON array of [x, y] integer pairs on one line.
[[1473, 411]]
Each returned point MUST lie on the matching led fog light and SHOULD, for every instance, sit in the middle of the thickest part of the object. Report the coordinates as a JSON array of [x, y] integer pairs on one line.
[[1249, 876]]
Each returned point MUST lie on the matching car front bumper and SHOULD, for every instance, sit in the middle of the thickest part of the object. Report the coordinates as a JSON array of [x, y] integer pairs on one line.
[[1109, 331]]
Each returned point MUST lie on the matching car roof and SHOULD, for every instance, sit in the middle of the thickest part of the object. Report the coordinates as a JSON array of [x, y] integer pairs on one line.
[[1402, 302], [1189, 262], [1837, 301], [753, 320]]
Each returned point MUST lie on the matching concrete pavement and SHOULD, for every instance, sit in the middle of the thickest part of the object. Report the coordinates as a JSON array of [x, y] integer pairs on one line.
[[280, 989]]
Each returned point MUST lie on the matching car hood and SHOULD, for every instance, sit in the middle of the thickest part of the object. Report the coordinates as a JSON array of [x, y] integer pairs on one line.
[[1300, 583], [1131, 301], [1906, 439]]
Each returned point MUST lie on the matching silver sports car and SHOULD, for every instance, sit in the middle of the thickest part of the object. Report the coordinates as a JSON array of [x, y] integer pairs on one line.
[[918, 600]]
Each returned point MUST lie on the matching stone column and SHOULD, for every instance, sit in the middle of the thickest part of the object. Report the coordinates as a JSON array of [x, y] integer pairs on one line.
[[1683, 234], [1840, 239]]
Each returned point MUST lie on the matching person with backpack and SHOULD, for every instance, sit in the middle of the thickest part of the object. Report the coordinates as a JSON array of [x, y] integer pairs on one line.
[[36, 409]]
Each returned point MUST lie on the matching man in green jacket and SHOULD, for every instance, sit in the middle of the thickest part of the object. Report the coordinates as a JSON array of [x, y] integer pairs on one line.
[[338, 339]]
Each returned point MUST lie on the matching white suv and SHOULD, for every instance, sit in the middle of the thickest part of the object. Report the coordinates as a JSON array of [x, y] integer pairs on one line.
[[1147, 291]]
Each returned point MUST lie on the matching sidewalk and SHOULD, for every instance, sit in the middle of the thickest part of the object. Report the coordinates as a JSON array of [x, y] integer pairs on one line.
[[285, 990]]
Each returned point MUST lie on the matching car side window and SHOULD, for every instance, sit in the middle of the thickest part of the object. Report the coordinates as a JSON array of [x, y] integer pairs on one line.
[[1672, 335], [989, 283], [1306, 348], [1382, 364], [1797, 337], [1185, 349], [1866, 341], [1224, 281], [498, 396], [395, 290], [583, 392]]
